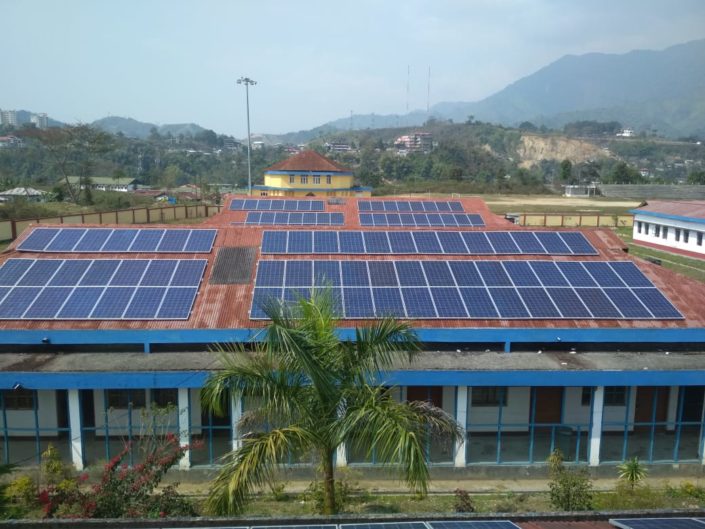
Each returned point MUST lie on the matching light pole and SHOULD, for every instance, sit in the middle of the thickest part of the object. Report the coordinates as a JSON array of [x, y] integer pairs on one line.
[[247, 82]]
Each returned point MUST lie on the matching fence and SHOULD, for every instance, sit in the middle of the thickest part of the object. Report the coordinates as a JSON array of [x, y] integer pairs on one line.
[[573, 220], [10, 229]]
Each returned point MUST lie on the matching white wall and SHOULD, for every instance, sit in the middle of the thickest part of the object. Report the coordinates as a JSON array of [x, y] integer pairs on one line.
[[670, 240], [516, 411], [575, 413], [46, 410]]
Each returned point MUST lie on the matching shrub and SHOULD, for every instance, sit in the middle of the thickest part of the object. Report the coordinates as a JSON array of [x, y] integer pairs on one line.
[[570, 489], [632, 472], [463, 502]]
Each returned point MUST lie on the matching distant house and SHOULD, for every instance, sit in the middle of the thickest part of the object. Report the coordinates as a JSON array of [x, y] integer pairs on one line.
[[156, 194], [415, 142], [10, 142], [626, 133], [671, 225], [25, 193], [106, 183]]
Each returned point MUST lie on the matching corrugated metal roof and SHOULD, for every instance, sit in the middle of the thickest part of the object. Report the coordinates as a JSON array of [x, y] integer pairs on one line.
[[309, 161], [227, 306], [679, 208]]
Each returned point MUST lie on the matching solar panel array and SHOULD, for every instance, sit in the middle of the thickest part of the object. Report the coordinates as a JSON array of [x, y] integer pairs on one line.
[[421, 220], [410, 205], [473, 524], [104, 240], [659, 523], [276, 205], [426, 242], [103, 289], [468, 289], [267, 218]]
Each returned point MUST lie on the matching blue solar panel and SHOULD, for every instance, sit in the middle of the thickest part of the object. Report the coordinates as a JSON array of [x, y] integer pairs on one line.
[[477, 242], [418, 303], [388, 302], [145, 303], [40, 272], [351, 242], [401, 242], [364, 205], [18, 301], [200, 241], [270, 274], [576, 274], [452, 242], [502, 242], [147, 241], [385, 525], [366, 219], [478, 302], [309, 219], [630, 274], [405, 205], [420, 219], [427, 242], [261, 298], [508, 303], [448, 303], [465, 273], [527, 242], [657, 523], [493, 273], [326, 273], [355, 273], [325, 242], [300, 242], [337, 219], [93, 240], [70, 273], [294, 219], [80, 303], [538, 302], [65, 240], [393, 219], [568, 303], [603, 274], [657, 303], [48, 302], [437, 273], [598, 303], [294, 295], [434, 219], [376, 242], [113, 303], [382, 274], [159, 273], [473, 524], [521, 274], [188, 273], [38, 239], [267, 217], [357, 303], [129, 273], [552, 242], [119, 241], [627, 303], [410, 273], [177, 303], [13, 269], [430, 206], [549, 274], [449, 220], [578, 243], [276, 204], [298, 274], [274, 241]]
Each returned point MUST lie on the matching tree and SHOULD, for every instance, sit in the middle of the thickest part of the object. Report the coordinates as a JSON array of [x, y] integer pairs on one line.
[[315, 393], [570, 489], [696, 177], [566, 170]]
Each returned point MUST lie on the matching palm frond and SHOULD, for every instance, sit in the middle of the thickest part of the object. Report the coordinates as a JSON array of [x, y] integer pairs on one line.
[[251, 466]]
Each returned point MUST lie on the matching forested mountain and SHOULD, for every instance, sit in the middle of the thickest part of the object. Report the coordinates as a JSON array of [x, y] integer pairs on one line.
[[140, 129]]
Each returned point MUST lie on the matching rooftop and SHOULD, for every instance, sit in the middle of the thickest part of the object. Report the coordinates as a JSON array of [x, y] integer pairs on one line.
[[309, 161], [681, 209]]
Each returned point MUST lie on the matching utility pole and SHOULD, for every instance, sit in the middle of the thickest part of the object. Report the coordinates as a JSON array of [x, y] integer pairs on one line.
[[247, 82]]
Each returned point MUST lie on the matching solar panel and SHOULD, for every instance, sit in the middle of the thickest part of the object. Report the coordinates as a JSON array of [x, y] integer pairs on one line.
[[473, 524], [315, 526], [259, 218], [483, 289], [528, 242], [658, 523], [103, 240], [410, 242], [99, 289], [420, 219], [276, 204], [384, 525], [410, 205], [325, 242]]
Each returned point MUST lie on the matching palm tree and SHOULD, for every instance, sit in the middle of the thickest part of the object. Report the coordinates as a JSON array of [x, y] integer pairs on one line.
[[316, 393]]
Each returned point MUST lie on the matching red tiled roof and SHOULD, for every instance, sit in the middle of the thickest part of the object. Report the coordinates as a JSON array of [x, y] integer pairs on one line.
[[680, 208], [309, 161]]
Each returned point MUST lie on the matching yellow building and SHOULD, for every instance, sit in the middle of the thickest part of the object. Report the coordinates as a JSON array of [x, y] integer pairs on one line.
[[309, 174]]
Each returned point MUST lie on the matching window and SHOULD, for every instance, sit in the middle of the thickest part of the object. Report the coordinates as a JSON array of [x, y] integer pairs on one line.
[[304, 179], [678, 234], [492, 396], [165, 397], [638, 227], [316, 179], [292, 179], [700, 238], [263, 193], [121, 398], [646, 228], [615, 395], [686, 236], [657, 230], [665, 232], [19, 399], [586, 396], [328, 179]]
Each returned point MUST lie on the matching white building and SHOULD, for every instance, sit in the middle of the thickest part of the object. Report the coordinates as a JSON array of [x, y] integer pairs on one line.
[[671, 224], [40, 120], [8, 117]]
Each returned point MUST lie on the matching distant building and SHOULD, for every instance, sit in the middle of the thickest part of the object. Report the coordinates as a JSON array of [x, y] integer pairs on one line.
[[8, 117], [106, 183], [257, 145], [338, 147], [312, 175], [584, 190], [415, 142], [626, 133], [231, 144], [11, 142], [41, 121], [25, 193], [671, 225]]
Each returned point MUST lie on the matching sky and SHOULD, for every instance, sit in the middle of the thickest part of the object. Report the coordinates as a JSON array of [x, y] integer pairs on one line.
[[314, 61]]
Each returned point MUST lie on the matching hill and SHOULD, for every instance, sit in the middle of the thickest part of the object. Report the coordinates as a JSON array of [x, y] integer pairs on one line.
[[139, 129]]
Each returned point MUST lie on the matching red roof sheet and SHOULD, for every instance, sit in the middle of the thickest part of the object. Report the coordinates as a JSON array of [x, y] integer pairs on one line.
[[681, 208], [309, 161], [228, 306]]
